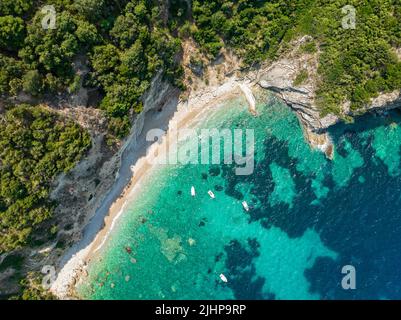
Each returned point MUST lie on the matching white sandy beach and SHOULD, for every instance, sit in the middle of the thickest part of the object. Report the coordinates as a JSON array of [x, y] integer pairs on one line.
[[135, 165]]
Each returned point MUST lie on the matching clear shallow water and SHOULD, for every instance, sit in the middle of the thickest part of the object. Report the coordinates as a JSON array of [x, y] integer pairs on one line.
[[309, 217]]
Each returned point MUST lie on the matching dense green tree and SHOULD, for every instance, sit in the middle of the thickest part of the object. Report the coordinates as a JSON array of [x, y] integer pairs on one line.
[[90, 9], [12, 32], [124, 68], [355, 64], [134, 62], [254, 29], [131, 40], [86, 33], [105, 61], [11, 71], [51, 50], [32, 82], [127, 29], [15, 7], [35, 145]]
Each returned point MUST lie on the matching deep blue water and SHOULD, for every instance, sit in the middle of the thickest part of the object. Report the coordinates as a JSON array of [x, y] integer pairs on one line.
[[361, 222]]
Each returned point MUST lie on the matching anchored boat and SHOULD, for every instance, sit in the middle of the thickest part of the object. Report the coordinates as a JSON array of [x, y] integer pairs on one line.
[[245, 205], [193, 193], [223, 278], [211, 194]]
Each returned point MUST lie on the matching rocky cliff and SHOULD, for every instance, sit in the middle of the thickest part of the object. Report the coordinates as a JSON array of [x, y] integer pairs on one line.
[[294, 77]]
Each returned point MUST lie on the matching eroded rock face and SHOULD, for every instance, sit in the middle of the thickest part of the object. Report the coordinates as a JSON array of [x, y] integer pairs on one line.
[[386, 101], [281, 78], [82, 190]]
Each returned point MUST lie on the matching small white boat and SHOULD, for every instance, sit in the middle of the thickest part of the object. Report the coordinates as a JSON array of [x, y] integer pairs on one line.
[[193, 193], [245, 205], [223, 278], [211, 194]]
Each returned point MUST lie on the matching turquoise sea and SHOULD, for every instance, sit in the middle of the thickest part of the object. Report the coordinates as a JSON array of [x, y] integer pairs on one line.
[[308, 218]]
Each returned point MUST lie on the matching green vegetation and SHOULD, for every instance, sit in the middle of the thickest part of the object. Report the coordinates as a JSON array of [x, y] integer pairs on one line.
[[12, 32], [15, 7], [355, 64], [126, 43], [125, 66], [32, 289], [254, 29], [309, 47], [301, 77], [35, 145]]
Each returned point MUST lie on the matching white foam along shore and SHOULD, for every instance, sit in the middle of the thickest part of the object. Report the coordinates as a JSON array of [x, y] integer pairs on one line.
[[133, 169]]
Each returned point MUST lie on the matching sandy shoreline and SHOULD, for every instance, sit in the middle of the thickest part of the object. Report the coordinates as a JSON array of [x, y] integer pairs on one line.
[[75, 261]]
